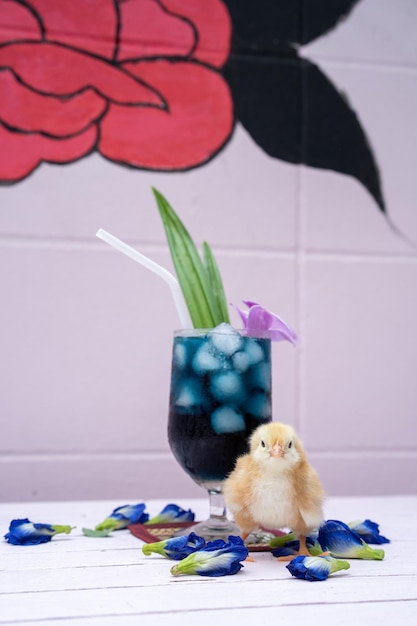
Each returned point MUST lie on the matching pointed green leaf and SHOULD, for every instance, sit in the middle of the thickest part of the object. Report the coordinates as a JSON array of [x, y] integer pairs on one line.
[[336, 565], [282, 540], [108, 524], [58, 528], [191, 273], [89, 532], [191, 279], [216, 282]]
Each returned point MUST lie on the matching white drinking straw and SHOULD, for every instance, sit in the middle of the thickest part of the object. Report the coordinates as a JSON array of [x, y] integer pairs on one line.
[[154, 267]]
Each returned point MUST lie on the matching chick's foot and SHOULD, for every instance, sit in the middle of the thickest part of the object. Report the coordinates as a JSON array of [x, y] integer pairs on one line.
[[303, 551]]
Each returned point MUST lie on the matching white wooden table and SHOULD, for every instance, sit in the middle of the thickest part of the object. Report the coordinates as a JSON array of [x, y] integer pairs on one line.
[[78, 580]]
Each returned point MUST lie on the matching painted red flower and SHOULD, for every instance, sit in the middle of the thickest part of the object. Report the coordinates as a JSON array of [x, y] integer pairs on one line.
[[137, 80]]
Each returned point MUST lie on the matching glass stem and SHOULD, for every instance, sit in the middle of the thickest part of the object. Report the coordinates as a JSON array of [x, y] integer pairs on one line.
[[217, 509]]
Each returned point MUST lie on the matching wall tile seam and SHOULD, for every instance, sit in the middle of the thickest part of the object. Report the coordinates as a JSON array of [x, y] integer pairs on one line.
[[312, 453], [19, 457], [407, 69], [300, 408], [82, 245], [306, 53], [360, 257], [227, 252], [349, 454]]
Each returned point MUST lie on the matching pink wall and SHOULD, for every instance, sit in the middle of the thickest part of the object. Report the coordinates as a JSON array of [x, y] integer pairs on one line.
[[86, 333]]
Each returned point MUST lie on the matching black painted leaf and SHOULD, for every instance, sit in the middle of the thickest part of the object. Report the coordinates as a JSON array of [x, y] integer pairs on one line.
[[267, 102], [271, 26], [333, 137], [294, 113], [264, 26], [320, 16]]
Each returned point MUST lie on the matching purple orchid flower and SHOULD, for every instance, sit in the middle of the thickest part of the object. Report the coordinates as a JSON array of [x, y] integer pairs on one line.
[[259, 319]]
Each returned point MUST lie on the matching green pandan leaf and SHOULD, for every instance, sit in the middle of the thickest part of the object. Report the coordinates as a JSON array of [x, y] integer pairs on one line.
[[191, 272], [216, 282], [89, 532], [192, 280]]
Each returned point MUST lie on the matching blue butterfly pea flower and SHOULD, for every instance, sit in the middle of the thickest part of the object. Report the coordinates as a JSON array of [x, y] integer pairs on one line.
[[217, 558], [368, 531], [282, 540], [172, 513], [288, 550], [286, 545], [337, 538], [123, 516], [293, 547], [176, 548], [315, 567], [23, 532]]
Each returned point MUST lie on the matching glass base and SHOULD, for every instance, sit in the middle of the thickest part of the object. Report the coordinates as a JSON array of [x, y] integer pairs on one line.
[[217, 526], [212, 528]]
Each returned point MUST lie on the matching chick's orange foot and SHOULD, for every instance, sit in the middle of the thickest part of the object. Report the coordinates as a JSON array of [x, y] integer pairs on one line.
[[303, 551]]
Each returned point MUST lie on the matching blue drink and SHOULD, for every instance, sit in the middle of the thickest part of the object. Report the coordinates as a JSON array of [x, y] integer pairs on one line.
[[220, 392]]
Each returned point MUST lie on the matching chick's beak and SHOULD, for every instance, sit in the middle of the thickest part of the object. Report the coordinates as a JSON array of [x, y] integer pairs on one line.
[[277, 450]]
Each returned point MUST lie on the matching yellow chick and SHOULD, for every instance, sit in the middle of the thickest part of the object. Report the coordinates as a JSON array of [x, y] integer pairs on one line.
[[274, 486]]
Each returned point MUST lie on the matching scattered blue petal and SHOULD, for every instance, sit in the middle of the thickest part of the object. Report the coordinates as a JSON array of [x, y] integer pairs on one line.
[[287, 550], [23, 532], [217, 558], [132, 513], [368, 531], [292, 547], [123, 516], [176, 548], [337, 538], [315, 568], [172, 513]]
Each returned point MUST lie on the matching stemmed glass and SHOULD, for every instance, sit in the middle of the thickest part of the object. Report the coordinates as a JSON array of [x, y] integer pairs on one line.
[[220, 392]]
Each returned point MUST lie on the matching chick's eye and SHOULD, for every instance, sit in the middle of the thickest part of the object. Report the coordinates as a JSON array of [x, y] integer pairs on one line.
[[263, 443], [290, 444]]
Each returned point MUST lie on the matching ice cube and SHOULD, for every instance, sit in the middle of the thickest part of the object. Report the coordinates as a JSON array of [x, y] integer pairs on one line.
[[254, 351], [180, 355], [241, 361], [189, 395], [227, 420], [204, 360], [261, 377], [225, 339], [227, 387], [259, 405]]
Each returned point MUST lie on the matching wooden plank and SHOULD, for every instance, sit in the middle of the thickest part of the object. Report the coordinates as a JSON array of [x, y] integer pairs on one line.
[[74, 542], [203, 593], [81, 570], [17, 560], [107, 581], [383, 614]]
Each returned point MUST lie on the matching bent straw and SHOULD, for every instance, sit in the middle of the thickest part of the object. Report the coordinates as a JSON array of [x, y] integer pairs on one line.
[[154, 267]]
